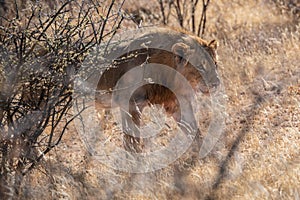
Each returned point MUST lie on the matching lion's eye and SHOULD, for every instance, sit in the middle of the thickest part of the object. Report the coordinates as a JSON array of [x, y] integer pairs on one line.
[[201, 69], [204, 64]]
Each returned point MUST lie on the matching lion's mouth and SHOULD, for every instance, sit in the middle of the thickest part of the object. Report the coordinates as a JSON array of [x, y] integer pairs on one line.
[[205, 89]]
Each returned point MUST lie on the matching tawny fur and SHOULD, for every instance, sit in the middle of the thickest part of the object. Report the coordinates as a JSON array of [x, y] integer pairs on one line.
[[176, 59]]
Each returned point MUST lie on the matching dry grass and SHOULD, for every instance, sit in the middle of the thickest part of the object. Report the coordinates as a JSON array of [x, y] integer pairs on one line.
[[259, 64]]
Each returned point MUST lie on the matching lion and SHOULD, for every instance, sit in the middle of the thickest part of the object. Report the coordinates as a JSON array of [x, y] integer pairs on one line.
[[189, 55]]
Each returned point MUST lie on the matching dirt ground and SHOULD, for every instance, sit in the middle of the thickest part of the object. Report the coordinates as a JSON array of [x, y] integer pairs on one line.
[[258, 155]]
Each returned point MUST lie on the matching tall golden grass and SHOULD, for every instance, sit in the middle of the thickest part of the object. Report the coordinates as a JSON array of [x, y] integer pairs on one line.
[[258, 155]]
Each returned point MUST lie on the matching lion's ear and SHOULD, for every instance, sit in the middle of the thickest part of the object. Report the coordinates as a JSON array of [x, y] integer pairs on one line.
[[180, 51], [213, 44]]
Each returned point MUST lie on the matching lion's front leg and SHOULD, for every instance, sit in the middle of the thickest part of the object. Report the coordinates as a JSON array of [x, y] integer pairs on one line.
[[131, 122]]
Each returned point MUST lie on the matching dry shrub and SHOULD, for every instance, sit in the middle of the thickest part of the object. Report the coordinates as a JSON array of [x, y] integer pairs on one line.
[[42, 46], [289, 6]]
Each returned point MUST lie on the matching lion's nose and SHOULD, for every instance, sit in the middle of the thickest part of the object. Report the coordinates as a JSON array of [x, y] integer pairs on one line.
[[215, 83]]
